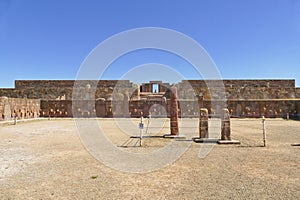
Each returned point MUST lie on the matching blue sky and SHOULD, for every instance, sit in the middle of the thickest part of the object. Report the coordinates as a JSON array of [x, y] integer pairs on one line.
[[249, 39]]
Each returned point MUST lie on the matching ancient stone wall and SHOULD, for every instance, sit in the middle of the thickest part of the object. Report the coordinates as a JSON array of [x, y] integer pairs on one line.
[[242, 89], [56, 108], [8, 92], [63, 89], [5, 111], [148, 87], [38, 93], [19, 107], [161, 108], [297, 93], [22, 84], [234, 89], [245, 98]]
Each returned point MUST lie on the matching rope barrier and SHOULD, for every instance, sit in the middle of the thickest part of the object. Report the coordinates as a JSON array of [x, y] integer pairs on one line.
[[251, 132]]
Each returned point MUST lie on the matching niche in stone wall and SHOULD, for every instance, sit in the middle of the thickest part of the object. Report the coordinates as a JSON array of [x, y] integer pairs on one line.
[[238, 109]]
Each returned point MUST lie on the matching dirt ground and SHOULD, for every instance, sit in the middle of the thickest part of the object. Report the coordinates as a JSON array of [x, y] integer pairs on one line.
[[46, 159]]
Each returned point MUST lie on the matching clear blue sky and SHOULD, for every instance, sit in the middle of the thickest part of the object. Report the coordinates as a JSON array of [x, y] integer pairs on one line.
[[248, 39]]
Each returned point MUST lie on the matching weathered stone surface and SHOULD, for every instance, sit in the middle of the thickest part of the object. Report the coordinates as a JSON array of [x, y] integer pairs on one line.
[[229, 142], [21, 108], [245, 98], [203, 123], [55, 89], [245, 89], [5, 112], [174, 111], [100, 107], [148, 87], [225, 125], [205, 140], [297, 93]]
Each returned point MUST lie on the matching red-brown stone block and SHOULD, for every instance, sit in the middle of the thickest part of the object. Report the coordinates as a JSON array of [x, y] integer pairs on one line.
[[174, 111]]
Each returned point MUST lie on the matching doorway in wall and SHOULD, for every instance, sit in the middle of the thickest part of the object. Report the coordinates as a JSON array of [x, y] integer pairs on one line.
[[155, 88]]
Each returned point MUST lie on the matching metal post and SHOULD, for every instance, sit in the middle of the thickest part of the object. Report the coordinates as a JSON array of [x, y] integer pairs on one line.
[[146, 132], [264, 131], [141, 126]]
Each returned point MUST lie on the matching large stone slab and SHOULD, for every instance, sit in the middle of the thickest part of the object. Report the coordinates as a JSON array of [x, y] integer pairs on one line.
[[170, 136], [229, 142], [205, 140]]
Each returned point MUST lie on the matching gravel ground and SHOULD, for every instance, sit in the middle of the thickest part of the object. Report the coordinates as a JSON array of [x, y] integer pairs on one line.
[[45, 159]]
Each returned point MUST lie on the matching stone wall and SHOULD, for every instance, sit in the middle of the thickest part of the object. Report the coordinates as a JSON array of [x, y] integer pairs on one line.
[[297, 93], [21, 108], [103, 108], [5, 111], [234, 89], [245, 98], [161, 108], [147, 87], [56, 108], [242, 89], [63, 89]]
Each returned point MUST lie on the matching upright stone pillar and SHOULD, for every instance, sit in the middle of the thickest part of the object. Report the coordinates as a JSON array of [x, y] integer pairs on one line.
[[126, 101], [6, 111], [138, 91], [203, 123], [225, 133], [173, 111], [200, 101], [118, 104]]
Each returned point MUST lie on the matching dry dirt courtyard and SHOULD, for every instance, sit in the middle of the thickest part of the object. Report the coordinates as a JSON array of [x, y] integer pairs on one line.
[[46, 159]]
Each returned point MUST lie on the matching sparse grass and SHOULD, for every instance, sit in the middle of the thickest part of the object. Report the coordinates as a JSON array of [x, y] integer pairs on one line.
[[94, 177]]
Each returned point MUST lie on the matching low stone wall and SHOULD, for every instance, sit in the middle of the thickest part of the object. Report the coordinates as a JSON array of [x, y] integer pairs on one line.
[[161, 108], [20, 108], [103, 108]]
